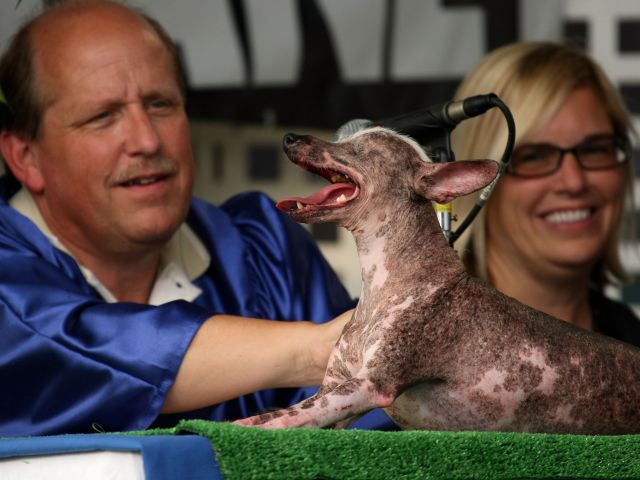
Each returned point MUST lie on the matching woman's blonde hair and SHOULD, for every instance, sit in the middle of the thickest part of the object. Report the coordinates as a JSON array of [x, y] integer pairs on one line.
[[534, 79]]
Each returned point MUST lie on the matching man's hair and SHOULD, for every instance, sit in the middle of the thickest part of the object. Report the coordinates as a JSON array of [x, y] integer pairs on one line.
[[534, 79], [18, 79]]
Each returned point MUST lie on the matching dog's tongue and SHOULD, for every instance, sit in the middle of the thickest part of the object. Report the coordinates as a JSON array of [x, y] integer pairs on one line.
[[327, 196]]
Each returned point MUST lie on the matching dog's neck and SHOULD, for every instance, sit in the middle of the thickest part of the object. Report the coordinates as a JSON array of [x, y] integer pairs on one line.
[[402, 247]]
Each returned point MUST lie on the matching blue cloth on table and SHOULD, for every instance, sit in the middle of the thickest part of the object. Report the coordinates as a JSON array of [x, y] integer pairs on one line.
[[165, 457]]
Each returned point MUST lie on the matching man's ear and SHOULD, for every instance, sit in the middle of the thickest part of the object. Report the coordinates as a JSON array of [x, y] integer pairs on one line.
[[20, 157], [442, 182]]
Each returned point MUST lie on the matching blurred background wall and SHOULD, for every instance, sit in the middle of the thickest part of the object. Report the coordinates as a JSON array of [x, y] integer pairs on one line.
[[260, 68]]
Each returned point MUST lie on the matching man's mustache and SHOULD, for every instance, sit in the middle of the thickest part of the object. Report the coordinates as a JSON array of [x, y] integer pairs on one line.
[[148, 167]]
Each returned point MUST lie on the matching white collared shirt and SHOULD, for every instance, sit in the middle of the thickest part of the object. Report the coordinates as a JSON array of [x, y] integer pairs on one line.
[[183, 259]]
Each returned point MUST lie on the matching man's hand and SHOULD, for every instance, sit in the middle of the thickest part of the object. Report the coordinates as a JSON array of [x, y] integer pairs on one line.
[[322, 346]]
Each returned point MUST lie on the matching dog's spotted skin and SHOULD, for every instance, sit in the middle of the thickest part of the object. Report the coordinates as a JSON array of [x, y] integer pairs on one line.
[[435, 347]]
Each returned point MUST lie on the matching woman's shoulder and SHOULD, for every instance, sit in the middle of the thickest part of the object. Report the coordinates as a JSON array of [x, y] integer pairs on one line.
[[614, 318]]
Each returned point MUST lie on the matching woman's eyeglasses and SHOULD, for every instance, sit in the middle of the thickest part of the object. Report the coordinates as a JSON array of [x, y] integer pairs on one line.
[[599, 152]]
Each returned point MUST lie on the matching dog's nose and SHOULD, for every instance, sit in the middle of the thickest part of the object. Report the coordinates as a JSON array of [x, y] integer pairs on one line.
[[290, 139]]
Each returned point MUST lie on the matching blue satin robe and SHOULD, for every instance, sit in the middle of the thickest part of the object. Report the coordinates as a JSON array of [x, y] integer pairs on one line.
[[72, 363]]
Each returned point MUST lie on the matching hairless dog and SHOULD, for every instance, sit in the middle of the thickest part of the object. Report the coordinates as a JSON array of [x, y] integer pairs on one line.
[[434, 346]]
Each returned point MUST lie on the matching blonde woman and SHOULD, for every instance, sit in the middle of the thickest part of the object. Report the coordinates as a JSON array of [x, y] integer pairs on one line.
[[549, 234]]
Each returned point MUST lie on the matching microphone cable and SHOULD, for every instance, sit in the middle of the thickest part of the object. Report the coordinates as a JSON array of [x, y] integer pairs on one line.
[[504, 161]]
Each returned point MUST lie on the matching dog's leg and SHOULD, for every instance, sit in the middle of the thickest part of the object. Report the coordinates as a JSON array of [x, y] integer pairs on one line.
[[324, 409]]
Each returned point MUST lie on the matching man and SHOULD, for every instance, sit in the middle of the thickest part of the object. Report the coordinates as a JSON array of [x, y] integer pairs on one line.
[[122, 297]]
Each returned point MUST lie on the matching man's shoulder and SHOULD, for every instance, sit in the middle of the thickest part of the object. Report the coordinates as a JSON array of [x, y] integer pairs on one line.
[[252, 201], [238, 209], [249, 217], [14, 225], [243, 200]]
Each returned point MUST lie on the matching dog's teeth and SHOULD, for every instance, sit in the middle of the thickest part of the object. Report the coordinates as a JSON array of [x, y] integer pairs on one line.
[[300, 205], [341, 199], [338, 178]]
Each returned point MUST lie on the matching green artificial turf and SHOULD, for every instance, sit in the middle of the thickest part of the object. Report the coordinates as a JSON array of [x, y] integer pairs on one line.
[[250, 453]]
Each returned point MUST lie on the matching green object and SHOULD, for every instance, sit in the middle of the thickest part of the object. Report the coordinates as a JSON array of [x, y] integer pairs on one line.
[[2, 98], [251, 453], [5, 109]]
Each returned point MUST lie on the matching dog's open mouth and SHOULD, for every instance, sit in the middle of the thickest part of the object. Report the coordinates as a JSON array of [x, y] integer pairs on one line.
[[341, 191]]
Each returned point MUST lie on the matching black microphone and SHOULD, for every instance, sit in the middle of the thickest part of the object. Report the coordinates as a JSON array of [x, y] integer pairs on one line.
[[431, 127], [428, 123]]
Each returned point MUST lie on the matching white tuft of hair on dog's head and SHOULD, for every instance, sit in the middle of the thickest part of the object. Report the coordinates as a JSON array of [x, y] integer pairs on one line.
[[351, 127], [407, 139]]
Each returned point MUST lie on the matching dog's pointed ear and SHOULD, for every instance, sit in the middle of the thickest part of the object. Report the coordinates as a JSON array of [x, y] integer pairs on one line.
[[442, 182]]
